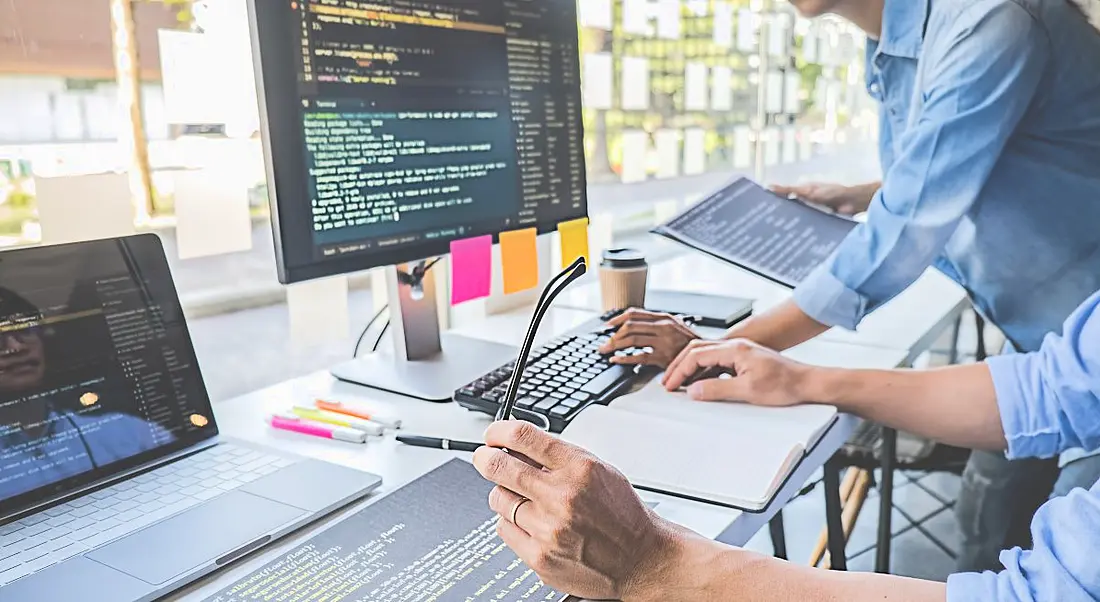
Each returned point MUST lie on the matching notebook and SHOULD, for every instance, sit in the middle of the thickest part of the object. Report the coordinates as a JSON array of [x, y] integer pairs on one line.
[[730, 454]]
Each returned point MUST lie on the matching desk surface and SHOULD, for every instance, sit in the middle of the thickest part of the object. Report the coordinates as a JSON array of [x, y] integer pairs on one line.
[[916, 320]]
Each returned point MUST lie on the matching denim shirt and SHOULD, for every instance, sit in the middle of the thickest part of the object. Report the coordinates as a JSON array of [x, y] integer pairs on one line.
[[990, 149], [1050, 401]]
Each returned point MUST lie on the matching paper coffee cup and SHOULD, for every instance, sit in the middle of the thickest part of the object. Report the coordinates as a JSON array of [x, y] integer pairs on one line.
[[623, 275]]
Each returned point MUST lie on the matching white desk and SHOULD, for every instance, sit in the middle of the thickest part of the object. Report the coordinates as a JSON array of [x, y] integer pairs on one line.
[[244, 418]]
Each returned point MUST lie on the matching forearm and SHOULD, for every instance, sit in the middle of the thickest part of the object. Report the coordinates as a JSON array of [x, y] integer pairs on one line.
[[704, 570], [956, 405], [779, 328]]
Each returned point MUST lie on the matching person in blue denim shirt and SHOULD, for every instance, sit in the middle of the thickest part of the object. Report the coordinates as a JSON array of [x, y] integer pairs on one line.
[[990, 149], [579, 524]]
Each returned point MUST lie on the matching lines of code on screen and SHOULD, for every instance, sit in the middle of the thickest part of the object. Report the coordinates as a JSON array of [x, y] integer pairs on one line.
[[434, 119], [434, 539]]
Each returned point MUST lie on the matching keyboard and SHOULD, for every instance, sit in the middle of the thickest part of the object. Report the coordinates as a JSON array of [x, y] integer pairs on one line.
[[77, 526], [562, 378]]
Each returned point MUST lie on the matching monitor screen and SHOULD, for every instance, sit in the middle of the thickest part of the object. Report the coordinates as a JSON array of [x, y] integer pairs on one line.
[[393, 127], [97, 371]]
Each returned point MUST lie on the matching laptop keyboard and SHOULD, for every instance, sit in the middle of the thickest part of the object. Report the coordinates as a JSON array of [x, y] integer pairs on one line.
[[59, 533]]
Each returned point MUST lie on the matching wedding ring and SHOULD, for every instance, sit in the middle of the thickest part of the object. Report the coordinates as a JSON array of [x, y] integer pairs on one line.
[[515, 508]]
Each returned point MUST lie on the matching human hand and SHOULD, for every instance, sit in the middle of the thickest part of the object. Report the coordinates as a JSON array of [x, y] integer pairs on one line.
[[583, 529], [666, 335], [760, 376], [846, 200]]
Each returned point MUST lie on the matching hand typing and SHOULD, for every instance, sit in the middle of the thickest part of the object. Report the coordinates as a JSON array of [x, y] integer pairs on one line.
[[665, 335], [761, 376]]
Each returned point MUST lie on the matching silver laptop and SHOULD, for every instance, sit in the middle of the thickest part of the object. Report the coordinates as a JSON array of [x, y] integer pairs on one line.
[[114, 483]]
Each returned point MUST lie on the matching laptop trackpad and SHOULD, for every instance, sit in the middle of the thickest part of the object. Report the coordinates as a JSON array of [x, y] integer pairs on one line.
[[195, 537]]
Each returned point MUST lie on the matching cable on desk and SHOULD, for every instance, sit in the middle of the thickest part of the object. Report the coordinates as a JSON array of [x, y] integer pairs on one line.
[[362, 335]]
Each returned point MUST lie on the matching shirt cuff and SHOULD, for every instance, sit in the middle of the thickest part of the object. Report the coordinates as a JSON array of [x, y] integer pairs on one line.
[[829, 301], [976, 587], [1021, 412]]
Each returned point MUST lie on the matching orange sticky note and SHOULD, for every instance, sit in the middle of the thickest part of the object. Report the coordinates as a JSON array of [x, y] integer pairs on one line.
[[574, 241], [520, 260]]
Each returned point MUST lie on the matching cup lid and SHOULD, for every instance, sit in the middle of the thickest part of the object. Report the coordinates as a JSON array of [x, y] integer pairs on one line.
[[623, 258]]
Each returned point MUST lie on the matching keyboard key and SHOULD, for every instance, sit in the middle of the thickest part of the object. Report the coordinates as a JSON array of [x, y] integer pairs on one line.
[[14, 573], [184, 482], [146, 498], [166, 489], [80, 502], [80, 523], [84, 533], [230, 485], [560, 411], [35, 529], [103, 515], [248, 477], [104, 525], [544, 406], [124, 486], [101, 494], [10, 528], [58, 532], [266, 470], [209, 494], [83, 511], [526, 403], [55, 511], [187, 472], [581, 396], [211, 482], [129, 515], [124, 505], [570, 403], [38, 564], [33, 519], [147, 487], [607, 379], [172, 498], [67, 552]]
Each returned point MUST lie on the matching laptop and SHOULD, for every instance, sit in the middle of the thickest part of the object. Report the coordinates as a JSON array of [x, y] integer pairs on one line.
[[114, 482]]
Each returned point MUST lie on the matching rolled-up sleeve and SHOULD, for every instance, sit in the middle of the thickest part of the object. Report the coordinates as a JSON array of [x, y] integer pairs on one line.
[[1062, 564], [979, 80], [1050, 400]]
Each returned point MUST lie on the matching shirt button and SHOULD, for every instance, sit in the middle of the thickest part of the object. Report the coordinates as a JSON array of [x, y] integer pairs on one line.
[[874, 88]]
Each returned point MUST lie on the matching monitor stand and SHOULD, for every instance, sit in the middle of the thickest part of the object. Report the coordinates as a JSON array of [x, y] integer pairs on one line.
[[425, 363]]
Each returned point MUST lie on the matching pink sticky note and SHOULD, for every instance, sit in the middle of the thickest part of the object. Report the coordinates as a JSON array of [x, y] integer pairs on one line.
[[471, 268]]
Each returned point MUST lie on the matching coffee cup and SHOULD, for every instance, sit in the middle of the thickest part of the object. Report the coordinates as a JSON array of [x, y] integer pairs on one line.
[[623, 275]]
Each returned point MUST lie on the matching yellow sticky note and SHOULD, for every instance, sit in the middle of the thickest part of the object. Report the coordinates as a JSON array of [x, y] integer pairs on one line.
[[519, 260], [574, 241]]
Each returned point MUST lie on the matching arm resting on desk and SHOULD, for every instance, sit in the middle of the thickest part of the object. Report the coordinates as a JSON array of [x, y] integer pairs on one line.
[[781, 327]]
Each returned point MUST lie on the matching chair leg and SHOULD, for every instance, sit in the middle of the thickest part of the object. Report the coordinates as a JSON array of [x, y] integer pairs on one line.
[[886, 500], [833, 516], [953, 357], [779, 536], [980, 354]]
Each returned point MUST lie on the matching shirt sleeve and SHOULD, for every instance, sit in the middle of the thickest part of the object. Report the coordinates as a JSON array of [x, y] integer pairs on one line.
[[979, 80], [1060, 566], [1049, 400]]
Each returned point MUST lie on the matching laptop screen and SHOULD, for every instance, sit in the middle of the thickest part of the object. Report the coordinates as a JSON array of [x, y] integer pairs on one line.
[[97, 370]]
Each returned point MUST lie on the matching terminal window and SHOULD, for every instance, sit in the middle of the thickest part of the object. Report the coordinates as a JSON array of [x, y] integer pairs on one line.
[[438, 119]]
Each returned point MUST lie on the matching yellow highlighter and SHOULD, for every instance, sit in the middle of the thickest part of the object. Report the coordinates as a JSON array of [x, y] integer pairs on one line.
[[365, 426]]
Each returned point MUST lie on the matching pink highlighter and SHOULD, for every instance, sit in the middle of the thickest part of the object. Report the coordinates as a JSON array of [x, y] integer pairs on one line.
[[297, 425]]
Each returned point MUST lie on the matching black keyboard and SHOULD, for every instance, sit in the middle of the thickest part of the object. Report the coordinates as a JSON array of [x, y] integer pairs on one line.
[[562, 378]]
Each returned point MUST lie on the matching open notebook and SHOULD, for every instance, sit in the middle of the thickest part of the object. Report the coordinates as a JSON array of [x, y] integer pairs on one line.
[[731, 454]]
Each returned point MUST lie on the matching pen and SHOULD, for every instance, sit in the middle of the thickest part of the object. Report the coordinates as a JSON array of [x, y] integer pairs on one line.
[[297, 425], [433, 443], [308, 413], [339, 408]]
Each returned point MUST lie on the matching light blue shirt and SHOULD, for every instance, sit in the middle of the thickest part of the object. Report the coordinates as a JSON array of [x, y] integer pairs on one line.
[[1049, 402], [990, 148]]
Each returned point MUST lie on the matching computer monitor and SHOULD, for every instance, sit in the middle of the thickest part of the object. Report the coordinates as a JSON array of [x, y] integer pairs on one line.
[[394, 127]]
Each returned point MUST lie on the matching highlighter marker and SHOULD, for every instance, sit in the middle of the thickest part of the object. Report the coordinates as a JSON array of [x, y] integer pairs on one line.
[[366, 426], [339, 408], [297, 425]]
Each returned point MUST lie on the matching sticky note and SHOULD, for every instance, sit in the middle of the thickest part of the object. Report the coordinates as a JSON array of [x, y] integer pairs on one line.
[[471, 269], [75, 208], [635, 151], [212, 213], [598, 72], [318, 311], [721, 98], [695, 93], [669, 19], [635, 83], [574, 241], [695, 151], [723, 24], [668, 153], [519, 260], [596, 14], [635, 17]]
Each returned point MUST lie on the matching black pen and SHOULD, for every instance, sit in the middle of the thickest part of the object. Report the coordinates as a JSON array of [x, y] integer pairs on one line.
[[434, 443]]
